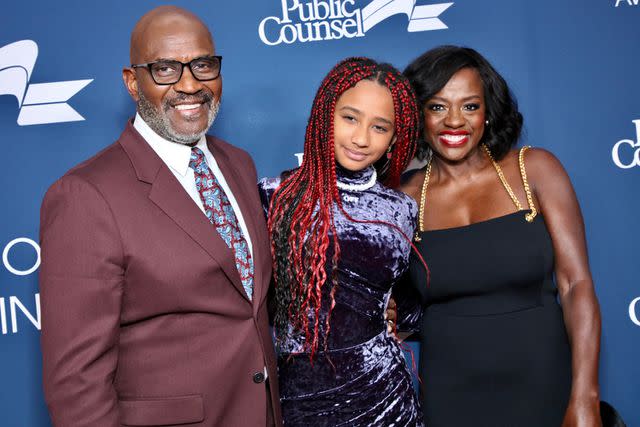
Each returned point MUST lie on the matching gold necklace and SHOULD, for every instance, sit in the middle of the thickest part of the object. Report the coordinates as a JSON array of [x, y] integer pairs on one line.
[[528, 216]]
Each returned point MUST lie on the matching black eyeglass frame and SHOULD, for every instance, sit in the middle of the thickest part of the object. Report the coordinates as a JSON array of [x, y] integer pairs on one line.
[[148, 65]]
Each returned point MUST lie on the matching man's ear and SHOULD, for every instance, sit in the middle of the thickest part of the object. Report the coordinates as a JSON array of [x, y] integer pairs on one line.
[[131, 82]]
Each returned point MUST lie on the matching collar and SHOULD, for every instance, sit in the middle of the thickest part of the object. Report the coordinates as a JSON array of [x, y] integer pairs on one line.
[[348, 177], [173, 154]]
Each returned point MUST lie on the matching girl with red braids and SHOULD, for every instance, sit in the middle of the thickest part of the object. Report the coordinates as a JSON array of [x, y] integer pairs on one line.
[[339, 240]]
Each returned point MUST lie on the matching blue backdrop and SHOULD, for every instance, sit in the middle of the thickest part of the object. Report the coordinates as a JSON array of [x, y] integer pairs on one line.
[[573, 66]]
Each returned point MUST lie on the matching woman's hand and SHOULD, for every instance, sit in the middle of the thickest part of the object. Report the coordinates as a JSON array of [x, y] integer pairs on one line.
[[391, 316]]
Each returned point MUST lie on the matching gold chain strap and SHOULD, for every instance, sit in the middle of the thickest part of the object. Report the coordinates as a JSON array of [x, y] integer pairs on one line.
[[530, 215], [505, 184], [423, 199], [523, 173]]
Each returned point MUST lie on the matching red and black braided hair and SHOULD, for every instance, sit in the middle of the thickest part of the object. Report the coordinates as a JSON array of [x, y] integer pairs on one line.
[[301, 214]]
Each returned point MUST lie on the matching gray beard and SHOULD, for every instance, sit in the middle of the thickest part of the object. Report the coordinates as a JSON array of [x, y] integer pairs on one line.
[[159, 123]]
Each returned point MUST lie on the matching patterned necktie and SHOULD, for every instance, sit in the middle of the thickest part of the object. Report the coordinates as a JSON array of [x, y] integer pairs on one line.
[[220, 213]]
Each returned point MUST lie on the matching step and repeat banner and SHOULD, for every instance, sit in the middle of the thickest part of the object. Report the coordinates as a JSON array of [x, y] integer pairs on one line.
[[573, 65]]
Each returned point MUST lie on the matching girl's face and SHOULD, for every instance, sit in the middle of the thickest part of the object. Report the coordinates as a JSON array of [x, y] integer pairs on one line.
[[454, 117], [363, 125]]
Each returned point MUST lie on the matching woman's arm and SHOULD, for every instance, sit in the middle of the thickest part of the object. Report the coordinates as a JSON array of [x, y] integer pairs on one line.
[[559, 206]]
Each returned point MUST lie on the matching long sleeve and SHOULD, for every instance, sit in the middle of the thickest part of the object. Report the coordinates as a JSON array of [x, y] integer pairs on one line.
[[266, 188], [409, 305], [81, 289], [405, 294]]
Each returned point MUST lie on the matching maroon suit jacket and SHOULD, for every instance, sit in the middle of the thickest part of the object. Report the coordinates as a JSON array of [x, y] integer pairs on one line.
[[144, 318]]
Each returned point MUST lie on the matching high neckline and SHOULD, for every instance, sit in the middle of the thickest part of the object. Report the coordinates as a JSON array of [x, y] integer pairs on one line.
[[348, 177]]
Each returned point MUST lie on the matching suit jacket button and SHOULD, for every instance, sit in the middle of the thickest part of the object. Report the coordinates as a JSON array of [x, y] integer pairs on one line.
[[258, 377]]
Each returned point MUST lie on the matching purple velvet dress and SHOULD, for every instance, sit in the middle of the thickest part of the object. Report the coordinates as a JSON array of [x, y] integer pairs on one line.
[[362, 379]]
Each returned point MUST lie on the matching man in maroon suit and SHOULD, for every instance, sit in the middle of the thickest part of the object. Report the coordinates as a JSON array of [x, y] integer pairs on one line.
[[155, 258]]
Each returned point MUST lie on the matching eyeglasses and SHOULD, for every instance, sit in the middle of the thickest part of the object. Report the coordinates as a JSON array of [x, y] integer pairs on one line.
[[168, 72]]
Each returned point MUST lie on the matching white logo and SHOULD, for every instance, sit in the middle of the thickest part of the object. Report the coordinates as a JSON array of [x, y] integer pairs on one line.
[[14, 305], [318, 20], [628, 2], [631, 154], [11, 306], [632, 311], [11, 244], [39, 103]]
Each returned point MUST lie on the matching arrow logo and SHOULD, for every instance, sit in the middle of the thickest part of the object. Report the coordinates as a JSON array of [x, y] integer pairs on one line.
[[421, 18], [39, 103]]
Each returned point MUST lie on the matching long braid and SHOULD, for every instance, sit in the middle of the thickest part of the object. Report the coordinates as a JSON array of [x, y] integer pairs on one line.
[[301, 215]]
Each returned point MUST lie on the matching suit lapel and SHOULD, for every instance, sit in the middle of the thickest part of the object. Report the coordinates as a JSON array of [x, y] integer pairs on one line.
[[167, 193], [246, 194], [170, 197]]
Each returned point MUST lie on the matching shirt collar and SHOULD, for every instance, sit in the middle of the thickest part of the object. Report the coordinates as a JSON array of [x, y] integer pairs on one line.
[[176, 156]]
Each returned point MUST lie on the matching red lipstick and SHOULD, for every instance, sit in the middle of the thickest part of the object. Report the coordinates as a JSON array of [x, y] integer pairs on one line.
[[453, 138]]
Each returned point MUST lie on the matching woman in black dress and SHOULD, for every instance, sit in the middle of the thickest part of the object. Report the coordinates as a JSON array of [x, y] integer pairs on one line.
[[496, 225]]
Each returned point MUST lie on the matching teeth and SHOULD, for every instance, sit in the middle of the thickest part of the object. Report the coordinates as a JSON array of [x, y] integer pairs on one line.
[[454, 138], [186, 106]]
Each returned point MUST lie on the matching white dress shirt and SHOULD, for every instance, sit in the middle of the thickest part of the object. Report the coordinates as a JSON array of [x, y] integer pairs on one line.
[[177, 157]]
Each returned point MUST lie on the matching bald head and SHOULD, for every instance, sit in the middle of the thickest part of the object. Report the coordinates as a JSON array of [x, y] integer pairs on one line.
[[165, 25], [181, 111]]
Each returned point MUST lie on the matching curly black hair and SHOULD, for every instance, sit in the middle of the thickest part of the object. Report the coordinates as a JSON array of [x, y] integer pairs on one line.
[[431, 71]]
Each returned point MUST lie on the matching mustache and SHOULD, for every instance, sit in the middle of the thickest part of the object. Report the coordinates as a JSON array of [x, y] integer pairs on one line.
[[201, 97]]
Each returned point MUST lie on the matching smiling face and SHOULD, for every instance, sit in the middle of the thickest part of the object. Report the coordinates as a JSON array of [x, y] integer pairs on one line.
[[364, 125], [455, 116], [181, 112]]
